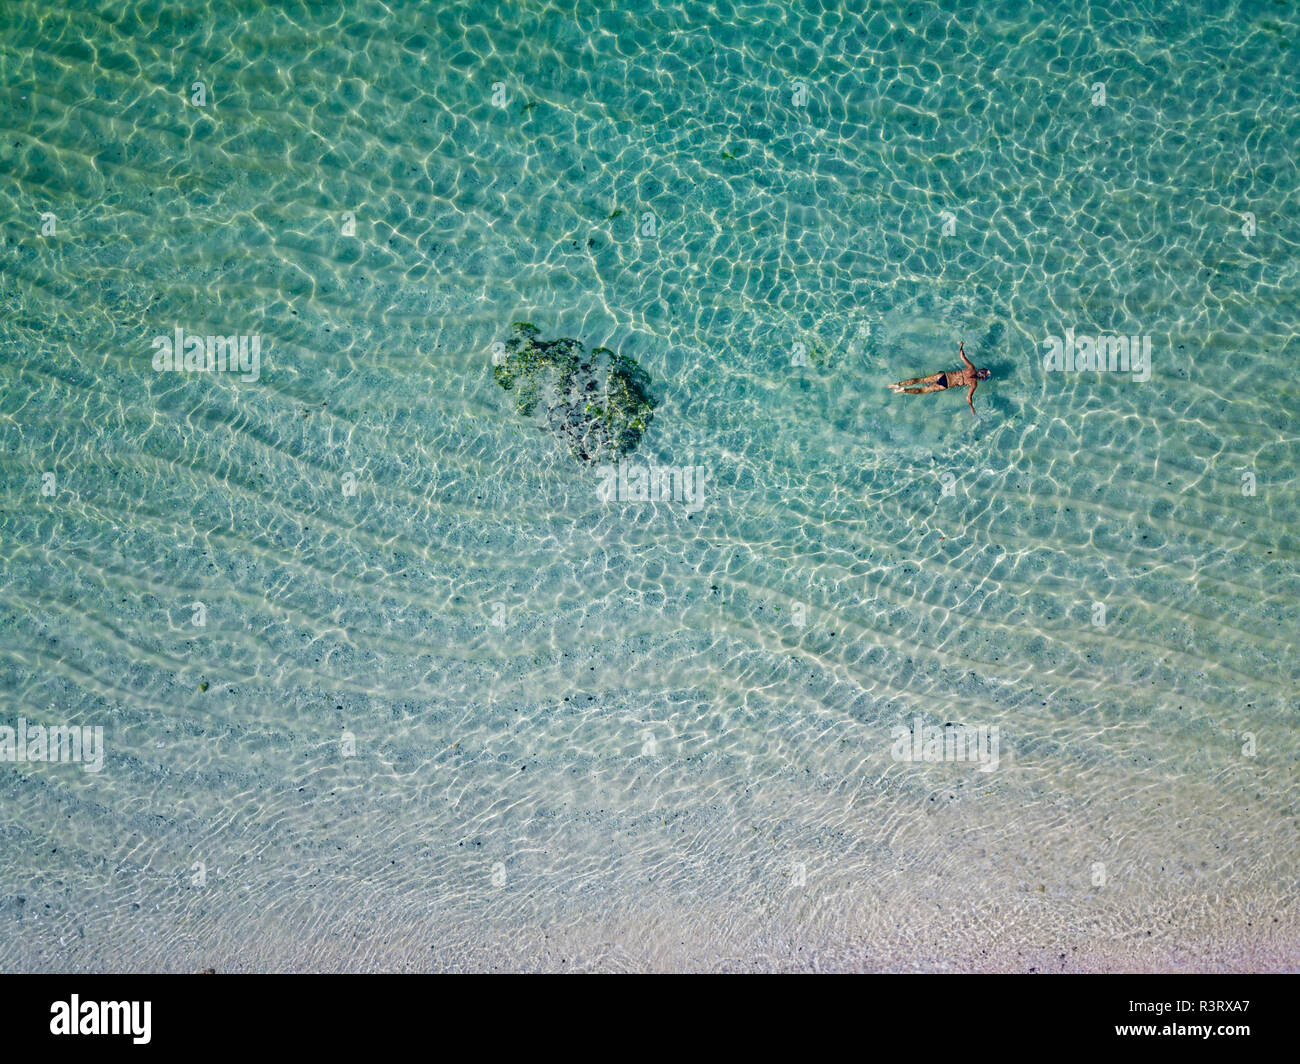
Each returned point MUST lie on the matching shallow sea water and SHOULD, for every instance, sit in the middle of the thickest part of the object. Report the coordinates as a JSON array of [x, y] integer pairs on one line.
[[448, 709]]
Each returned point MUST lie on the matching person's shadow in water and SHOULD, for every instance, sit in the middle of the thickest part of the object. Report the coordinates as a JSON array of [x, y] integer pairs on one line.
[[999, 369]]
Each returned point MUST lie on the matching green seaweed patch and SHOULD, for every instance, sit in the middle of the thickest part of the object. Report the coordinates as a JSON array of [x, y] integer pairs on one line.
[[599, 405], [629, 406]]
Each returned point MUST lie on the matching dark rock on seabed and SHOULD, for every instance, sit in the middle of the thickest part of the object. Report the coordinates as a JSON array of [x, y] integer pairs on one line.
[[599, 405]]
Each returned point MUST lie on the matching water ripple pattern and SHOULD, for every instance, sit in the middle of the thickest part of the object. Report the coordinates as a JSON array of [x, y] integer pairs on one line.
[[387, 683]]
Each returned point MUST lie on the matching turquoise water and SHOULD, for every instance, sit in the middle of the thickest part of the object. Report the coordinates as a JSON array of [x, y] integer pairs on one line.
[[446, 706]]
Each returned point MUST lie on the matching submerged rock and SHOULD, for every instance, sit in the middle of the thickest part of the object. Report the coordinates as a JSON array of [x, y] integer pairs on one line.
[[599, 405]]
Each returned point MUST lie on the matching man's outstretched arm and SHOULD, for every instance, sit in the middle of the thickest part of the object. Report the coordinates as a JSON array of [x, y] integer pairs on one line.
[[962, 350], [970, 397]]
